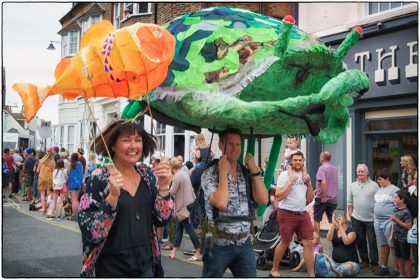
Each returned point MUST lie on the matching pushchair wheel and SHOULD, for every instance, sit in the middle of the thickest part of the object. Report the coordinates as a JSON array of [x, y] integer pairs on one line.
[[262, 263], [294, 259]]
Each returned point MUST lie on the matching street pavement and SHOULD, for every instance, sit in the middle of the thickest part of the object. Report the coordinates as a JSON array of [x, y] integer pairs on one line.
[[61, 253]]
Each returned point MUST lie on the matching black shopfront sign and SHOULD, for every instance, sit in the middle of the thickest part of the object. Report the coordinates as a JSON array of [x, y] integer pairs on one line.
[[390, 60]]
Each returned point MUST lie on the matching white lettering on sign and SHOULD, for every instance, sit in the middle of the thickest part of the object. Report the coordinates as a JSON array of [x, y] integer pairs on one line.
[[392, 73], [362, 56], [411, 68]]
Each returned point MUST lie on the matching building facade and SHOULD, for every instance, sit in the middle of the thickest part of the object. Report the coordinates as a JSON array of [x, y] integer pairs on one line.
[[76, 119], [384, 120]]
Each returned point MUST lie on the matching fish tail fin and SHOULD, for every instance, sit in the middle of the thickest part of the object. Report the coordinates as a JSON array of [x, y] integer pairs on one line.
[[32, 97]]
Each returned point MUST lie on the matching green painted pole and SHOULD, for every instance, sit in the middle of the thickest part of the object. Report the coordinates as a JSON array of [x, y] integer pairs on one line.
[[271, 167], [241, 156], [251, 146]]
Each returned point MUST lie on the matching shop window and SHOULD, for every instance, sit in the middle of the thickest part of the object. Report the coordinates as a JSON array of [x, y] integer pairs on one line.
[[386, 125]]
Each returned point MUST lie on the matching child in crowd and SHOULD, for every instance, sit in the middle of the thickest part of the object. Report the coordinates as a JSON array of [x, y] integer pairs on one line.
[[59, 181], [402, 222], [291, 148], [317, 248]]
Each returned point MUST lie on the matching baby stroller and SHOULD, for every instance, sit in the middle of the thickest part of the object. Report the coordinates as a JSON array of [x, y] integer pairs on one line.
[[265, 242]]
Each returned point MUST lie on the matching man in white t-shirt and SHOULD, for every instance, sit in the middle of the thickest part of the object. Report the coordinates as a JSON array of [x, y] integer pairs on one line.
[[292, 216]]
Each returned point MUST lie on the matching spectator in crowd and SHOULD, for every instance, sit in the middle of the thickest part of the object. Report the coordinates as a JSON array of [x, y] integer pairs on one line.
[[326, 190], [292, 216], [35, 193], [344, 252], [56, 154], [290, 148], [10, 174], [65, 158], [413, 206], [360, 195], [28, 173], [74, 182], [383, 209], [317, 248], [229, 189], [45, 182], [183, 194], [18, 162], [407, 166], [402, 222], [91, 165], [81, 158], [59, 189], [122, 206]]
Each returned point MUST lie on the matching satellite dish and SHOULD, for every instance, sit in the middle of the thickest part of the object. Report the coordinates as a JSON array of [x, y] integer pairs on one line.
[[45, 132]]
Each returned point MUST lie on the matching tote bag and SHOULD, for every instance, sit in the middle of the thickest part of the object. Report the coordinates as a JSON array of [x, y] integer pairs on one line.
[[182, 214]]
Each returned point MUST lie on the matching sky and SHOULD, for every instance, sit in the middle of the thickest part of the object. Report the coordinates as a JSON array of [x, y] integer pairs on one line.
[[27, 29]]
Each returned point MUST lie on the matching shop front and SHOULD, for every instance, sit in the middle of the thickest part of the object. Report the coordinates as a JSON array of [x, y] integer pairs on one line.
[[384, 120]]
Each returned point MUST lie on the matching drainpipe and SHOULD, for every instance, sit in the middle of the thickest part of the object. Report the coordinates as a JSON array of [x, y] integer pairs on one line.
[[296, 13], [155, 13]]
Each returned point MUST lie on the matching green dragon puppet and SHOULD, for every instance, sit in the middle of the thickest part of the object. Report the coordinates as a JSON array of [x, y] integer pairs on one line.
[[237, 68]]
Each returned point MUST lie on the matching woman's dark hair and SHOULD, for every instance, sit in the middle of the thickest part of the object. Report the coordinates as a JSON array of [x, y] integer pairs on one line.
[[227, 131], [119, 128], [384, 173], [59, 164], [73, 159], [403, 195]]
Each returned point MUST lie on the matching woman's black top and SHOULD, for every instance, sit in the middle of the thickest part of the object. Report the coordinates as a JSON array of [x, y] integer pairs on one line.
[[344, 253], [413, 205], [127, 251]]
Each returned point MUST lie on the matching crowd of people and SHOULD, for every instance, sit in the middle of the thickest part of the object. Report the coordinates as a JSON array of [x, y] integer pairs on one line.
[[50, 181], [128, 211]]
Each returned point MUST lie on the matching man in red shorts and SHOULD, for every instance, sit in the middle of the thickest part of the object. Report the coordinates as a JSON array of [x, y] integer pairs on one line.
[[292, 216]]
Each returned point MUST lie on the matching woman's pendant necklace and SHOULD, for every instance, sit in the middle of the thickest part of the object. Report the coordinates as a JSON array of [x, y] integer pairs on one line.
[[137, 206]]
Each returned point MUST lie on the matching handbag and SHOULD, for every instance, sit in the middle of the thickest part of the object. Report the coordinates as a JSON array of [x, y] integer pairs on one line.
[[412, 235], [182, 214], [57, 185]]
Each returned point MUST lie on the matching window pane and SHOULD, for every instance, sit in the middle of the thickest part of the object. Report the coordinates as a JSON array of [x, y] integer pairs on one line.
[[128, 6], [384, 6], [73, 42], [143, 8], [95, 19], [395, 4], [178, 130]]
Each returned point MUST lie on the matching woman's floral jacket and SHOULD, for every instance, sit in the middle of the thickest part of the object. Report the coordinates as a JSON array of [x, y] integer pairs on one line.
[[96, 217]]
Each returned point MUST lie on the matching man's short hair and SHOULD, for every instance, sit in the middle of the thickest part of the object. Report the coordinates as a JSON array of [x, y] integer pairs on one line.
[[298, 153], [227, 131], [362, 165], [56, 150], [6, 150], [384, 173]]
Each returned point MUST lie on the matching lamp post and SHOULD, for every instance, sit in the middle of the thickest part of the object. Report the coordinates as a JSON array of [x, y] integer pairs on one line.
[[51, 45]]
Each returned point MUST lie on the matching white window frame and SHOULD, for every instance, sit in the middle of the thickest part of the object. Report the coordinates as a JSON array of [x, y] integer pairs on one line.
[[136, 6], [116, 15], [88, 21], [71, 140], [384, 11], [66, 48], [61, 135]]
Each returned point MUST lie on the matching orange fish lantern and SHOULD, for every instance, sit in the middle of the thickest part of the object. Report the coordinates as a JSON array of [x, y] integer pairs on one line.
[[128, 62]]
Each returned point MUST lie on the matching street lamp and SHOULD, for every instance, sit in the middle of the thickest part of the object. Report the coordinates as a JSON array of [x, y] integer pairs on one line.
[[51, 45]]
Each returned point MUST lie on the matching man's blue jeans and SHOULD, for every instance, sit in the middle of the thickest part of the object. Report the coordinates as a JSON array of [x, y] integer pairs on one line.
[[239, 259]]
